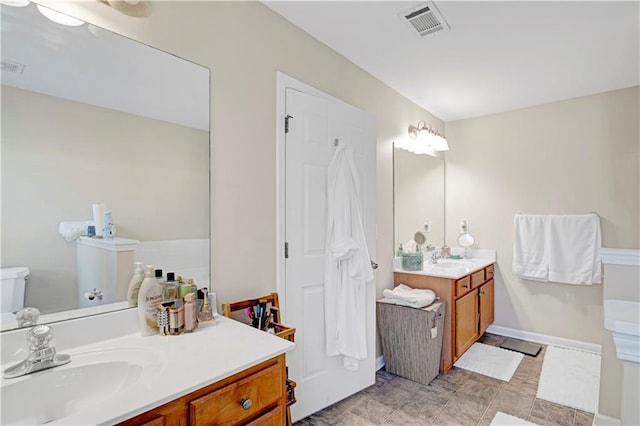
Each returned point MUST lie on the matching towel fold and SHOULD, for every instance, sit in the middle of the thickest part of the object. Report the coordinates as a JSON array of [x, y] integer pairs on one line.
[[71, 231], [558, 248], [407, 296]]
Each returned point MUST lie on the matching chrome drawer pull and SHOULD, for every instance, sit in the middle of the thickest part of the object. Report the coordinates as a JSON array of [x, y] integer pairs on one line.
[[246, 403]]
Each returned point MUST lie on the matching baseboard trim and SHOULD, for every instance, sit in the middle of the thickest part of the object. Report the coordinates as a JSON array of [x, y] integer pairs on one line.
[[379, 362], [603, 420], [544, 339]]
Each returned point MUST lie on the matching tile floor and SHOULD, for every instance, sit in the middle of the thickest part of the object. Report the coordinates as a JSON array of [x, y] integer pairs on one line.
[[459, 397]]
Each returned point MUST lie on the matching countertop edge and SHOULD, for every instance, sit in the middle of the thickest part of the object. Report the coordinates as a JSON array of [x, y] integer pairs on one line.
[[173, 383]]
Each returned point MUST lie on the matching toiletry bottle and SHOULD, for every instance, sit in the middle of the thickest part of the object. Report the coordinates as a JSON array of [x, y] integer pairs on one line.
[[214, 303], [170, 289], [190, 313], [163, 319], [186, 288], [134, 284], [194, 288], [109, 227], [149, 298], [399, 252], [176, 318], [205, 316], [158, 275]]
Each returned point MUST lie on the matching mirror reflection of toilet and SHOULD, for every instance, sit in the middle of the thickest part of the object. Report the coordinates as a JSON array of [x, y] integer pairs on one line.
[[12, 289]]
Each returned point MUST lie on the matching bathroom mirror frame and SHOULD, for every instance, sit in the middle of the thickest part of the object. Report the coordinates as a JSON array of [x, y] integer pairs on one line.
[[418, 196], [186, 150]]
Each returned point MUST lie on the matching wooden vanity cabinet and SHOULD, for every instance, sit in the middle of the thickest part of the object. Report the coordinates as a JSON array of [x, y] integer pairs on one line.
[[469, 311], [226, 402]]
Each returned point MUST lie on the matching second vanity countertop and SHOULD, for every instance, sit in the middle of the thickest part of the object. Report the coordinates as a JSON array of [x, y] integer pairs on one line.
[[180, 365], [452, 268]]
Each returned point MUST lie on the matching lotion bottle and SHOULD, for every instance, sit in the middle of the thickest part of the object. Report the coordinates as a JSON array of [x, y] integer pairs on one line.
[[134, 284], [149, 299], [190, 313]]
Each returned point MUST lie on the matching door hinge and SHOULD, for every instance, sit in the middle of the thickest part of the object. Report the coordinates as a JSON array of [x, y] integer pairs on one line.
[[286, 250], [286, 123]]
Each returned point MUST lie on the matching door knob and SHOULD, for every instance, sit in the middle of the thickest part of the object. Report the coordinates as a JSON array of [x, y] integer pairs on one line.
[[374, 265]]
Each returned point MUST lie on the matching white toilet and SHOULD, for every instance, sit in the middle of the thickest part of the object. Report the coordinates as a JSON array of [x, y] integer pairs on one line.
[[12, 287]]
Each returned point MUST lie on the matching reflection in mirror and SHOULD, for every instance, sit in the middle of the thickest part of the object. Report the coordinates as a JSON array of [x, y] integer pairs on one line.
[[418, 197], [89, 116]]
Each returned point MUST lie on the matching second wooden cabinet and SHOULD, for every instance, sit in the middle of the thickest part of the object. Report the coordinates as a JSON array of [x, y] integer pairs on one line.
[[470, 308]]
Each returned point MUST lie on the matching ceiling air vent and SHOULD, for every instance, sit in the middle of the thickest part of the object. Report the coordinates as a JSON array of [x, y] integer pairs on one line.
[[426, 19], [13, 67]]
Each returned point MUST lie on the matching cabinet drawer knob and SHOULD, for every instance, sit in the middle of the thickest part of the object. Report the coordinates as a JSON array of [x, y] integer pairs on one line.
[[246, 403], [465, 286]]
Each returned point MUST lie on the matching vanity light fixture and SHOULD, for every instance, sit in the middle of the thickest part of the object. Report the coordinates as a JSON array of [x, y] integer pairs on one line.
[[423, 137], [59, 17]]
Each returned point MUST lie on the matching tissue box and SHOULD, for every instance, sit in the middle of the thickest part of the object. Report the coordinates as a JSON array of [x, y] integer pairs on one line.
[[412, 261]]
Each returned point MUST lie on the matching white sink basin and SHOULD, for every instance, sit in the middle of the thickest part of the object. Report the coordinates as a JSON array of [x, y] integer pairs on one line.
[[86, 381]]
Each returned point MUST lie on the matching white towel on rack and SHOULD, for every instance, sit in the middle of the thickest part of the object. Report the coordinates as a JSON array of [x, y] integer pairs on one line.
[[530, 259], [574, 249], [558, 248]]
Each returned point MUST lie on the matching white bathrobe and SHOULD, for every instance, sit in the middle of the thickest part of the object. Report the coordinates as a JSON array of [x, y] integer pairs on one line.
[[347, 266]]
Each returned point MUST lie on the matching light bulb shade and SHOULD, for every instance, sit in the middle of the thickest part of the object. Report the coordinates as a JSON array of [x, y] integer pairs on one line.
[[16, 3], [440, 143], [59, 17]]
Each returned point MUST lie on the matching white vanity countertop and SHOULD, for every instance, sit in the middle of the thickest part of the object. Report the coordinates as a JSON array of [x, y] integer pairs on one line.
[[452, 268], [184, 364]]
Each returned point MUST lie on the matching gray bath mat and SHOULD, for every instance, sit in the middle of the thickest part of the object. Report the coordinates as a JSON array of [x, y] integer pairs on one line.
[[527, 348]]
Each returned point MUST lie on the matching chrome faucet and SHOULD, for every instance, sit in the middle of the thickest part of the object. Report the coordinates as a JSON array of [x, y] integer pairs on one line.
[[41, 355], [434, 257]]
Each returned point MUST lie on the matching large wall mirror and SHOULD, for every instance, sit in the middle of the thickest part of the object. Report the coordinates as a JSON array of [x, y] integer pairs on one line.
[[89, 116], [418, 194]]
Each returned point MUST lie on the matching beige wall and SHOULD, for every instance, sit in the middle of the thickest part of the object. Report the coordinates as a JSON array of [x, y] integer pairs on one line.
[[620, 283], [574, 156], [59, 157], [245, 44]]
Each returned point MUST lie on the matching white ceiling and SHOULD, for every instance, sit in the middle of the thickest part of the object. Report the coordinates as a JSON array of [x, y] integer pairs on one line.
[[497, 56], [91, 65]]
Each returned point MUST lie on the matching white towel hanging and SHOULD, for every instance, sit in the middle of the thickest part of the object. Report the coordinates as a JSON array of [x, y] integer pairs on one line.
[[558, 248]]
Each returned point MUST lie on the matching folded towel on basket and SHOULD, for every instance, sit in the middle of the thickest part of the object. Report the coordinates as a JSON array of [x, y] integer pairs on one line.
[[407, 296]]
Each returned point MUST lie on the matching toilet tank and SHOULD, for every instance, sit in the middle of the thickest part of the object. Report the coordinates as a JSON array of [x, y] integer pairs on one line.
[[12, 286]]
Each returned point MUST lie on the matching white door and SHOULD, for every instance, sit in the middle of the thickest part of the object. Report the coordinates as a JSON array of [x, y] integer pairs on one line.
[[315, 125]]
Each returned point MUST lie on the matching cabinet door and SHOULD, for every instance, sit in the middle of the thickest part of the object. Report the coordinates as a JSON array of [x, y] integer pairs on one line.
[[486, 306], [466, 322]]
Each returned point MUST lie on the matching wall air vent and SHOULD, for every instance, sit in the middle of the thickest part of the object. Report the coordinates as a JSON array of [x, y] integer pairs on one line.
[[425, 19], [12, 67]]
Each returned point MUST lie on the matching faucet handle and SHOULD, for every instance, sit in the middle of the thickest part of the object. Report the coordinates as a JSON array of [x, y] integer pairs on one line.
[[39, 337], [27, 317]]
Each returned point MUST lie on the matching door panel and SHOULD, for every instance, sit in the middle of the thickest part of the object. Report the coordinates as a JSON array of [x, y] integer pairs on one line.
[[315, 126]]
